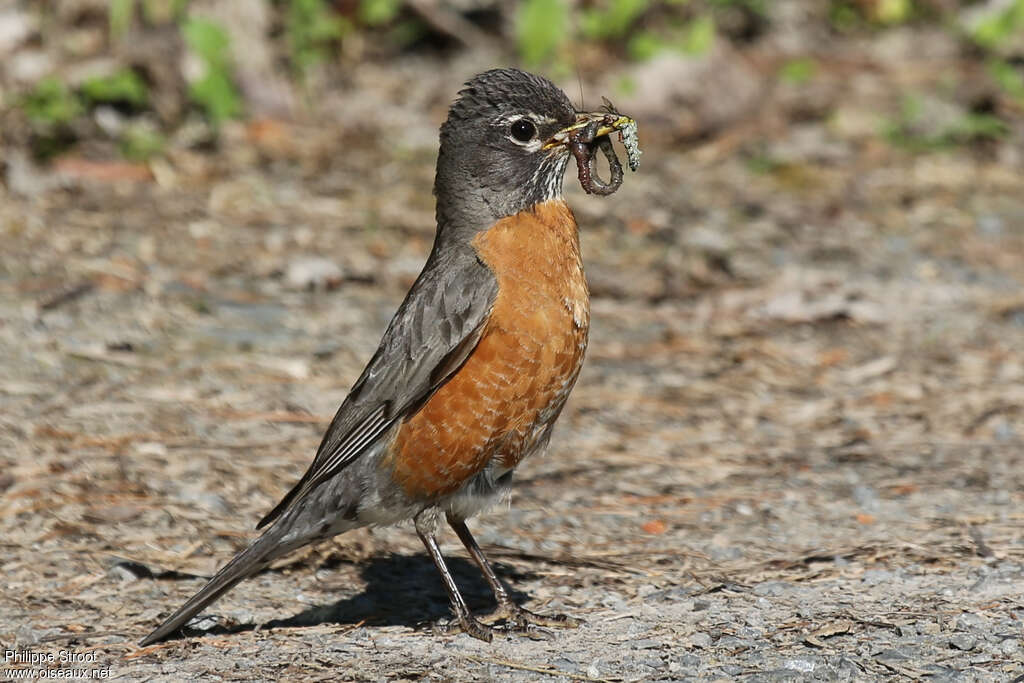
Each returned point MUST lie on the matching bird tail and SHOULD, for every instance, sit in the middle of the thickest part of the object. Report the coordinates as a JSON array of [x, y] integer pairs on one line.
[[257, 556]]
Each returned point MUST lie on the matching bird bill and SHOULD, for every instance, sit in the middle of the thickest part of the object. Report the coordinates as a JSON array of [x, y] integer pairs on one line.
[[608, 122]]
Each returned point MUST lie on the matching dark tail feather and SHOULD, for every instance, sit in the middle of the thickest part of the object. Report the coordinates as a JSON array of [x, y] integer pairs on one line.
[[280, 507], [246, 563]]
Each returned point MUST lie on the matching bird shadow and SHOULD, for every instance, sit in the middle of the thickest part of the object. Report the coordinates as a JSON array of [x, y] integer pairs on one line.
[[401, 590]]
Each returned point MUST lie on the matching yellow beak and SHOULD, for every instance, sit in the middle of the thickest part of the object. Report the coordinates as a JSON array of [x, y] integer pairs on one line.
[[608, 123]]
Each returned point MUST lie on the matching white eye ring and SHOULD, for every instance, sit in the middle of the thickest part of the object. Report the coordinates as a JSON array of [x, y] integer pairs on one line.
[[524, 130]]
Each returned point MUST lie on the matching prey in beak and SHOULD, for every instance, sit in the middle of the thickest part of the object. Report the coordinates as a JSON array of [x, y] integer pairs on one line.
[[591, 130]]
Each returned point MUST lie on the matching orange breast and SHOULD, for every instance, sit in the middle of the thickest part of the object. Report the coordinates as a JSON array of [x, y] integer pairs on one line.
[[517, 379]]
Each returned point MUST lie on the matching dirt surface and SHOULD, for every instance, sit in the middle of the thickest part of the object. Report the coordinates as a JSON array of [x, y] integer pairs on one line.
[[796, 450]]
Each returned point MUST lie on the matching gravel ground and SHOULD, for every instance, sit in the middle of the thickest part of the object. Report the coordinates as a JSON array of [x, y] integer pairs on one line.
[[796, 451]]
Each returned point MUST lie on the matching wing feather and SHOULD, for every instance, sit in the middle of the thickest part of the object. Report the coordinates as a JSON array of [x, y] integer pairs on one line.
[[435, 329]]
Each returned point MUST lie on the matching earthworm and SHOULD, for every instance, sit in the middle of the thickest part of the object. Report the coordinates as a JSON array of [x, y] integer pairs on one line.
[[586, 161]]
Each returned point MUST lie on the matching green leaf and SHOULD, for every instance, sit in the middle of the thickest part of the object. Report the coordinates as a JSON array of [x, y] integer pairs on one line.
[[120, 16], [124, 86], [162, 11], [51, 103], [208, 40], [843, 17], [215, 91], [311, 27], [971, 127], [542, 27], [613, 20], [698, 35], [975, 126], [1008, 77], [798, 71], [140, 143], [991, 31], [644, 45], [378, 12], [893, 11]]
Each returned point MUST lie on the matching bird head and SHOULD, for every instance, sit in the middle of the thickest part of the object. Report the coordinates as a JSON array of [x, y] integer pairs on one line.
[[504, 148]]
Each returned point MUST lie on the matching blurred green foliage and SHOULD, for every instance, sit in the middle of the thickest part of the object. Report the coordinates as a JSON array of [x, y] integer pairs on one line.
[[977, 126], [644, 45], [312, 27], [214, 91], [1000, 26], [698, 35], [140, 142], [548, 35], [798, 71], [119, 16], [542, 27], [51, 107], [378, 12], [857, 15], [994, 31], [612, 20], [122, 87], [910, 130], [122, 13], [547, 29], [1009, 78], [893, 11], [51, 103]]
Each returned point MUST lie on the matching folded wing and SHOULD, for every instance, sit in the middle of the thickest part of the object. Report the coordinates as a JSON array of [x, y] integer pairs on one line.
[[435, 329]]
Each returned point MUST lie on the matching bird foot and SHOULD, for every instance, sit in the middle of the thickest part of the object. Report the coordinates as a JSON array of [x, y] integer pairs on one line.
[[469, 625], [521, 620], [507, 619]]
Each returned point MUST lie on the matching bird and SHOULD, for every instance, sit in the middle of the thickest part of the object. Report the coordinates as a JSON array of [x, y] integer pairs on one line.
[[475, 366]]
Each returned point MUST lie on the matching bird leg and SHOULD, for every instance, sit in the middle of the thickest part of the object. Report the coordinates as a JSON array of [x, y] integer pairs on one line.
[[464, 621], [518, 619]]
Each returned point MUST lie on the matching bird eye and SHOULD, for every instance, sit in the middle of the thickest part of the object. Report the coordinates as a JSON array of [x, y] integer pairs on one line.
[[523, 130]]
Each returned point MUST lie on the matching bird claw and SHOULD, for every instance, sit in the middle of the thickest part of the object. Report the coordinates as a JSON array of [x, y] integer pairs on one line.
[[508, 619], [514, 614], [531, 631], [520, 620], [469, 625]]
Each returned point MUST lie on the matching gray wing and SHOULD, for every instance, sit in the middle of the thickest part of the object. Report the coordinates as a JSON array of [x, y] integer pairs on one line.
[[434, 331]]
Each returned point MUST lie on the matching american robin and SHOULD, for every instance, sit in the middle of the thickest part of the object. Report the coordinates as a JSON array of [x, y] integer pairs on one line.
[[477, 363]]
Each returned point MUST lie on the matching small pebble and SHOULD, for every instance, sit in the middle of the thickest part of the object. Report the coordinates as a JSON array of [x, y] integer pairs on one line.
[[969, 622], [963, 641], [701, 640], [646, 644], [564, 664], [312, 273], [801, 665], [874, 577], [127, 572], [773, 588]]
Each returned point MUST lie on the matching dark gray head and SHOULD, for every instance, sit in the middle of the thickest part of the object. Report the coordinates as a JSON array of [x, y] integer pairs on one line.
[[497, 156]]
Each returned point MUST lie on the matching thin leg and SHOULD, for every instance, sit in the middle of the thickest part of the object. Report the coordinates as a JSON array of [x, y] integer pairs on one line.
[[519, 618], [465, 621], [462, 531]]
